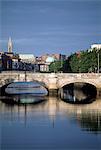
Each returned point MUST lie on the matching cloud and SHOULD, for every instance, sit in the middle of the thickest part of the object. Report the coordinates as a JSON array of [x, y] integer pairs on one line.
[[50, 35]]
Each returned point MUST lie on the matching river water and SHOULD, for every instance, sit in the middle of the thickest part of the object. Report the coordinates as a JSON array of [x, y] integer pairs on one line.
[[51, 124]]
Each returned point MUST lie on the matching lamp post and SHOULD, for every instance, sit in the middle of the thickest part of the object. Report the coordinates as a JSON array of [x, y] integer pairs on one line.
[[54, 66], [61, 62], [98, 60]]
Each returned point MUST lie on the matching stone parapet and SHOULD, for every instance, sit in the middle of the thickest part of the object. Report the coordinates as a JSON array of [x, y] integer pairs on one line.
[[50, 80]]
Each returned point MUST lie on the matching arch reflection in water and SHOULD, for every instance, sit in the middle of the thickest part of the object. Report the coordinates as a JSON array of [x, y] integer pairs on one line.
[[87, 116], [53, 111], [90, 121], [26, 88], [28, 99], [78, 93], [25, 92], [22, 99]]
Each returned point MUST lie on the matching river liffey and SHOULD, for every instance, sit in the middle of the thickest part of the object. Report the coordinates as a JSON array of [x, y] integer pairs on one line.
[[51, 124]]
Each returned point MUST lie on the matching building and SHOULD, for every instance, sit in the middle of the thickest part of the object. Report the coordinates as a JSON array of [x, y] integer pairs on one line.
[[49, 60], [27, 58], [45, 66], [96, 46], [10, 45], [15, 62], [1, 61], [9, 60], [59, 57], [27, 62], [45, 60], [6, 62], [12, 61]]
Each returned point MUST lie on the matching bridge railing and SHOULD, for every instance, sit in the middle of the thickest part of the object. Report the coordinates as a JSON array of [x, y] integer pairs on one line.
[[54, 75], [80, 75]]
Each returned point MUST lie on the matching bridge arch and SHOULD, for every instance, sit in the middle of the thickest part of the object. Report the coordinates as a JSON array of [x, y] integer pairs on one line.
[[7, 81], [78, 91], [78, 81], [51, 81]]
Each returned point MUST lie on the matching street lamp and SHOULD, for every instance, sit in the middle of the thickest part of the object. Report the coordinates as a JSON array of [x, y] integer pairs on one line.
[[61, 61], [98, 60], [54, 66]]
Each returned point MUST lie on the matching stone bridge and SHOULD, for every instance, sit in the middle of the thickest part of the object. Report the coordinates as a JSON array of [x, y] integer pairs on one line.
[[51, 81]]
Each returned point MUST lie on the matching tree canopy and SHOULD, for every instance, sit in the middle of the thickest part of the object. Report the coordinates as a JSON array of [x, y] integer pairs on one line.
[[79, 62]]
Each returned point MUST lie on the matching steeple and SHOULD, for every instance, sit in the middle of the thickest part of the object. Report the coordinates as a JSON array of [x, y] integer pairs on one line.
[[10, 45]]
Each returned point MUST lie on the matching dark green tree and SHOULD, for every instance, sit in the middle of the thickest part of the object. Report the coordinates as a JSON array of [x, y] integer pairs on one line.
[[84, 61], [66, 65], [56, 66]]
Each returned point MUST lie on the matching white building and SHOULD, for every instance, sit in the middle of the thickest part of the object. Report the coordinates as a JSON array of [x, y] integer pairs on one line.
[[44, 67], [27, 58], [49, 60], [27, 62], [0, 63], [15, 64], [97, 46]]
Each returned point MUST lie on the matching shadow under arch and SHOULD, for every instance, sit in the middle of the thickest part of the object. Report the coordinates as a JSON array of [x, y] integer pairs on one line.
[[4, 86], [78, 92]]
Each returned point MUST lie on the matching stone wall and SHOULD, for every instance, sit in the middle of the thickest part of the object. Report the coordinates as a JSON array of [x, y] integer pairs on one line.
[[51, 80]]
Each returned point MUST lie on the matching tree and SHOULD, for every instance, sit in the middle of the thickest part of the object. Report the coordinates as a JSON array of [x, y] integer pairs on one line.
[[83, 61], [56, 66], [66, 65], [75, 63]]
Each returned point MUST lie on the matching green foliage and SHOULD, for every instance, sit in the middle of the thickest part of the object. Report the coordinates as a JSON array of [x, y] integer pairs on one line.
[[66, 65], [84, 61], [55, 66], [75, 63]]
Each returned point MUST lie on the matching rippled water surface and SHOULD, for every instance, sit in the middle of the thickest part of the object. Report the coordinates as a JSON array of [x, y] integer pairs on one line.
[[33, 122], [49, 125]]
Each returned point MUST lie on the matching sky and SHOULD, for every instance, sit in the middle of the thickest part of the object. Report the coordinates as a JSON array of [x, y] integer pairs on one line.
[[50, 26]]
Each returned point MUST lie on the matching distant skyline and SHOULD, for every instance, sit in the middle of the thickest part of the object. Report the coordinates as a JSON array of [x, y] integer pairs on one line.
[[50, 26]]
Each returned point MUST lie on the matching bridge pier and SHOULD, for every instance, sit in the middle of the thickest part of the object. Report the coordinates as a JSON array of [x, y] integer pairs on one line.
[[61, 93], [98, 93], [53, 92], [0, 90]]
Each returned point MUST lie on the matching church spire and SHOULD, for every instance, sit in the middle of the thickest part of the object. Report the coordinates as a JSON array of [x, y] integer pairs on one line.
[[10, 45]]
